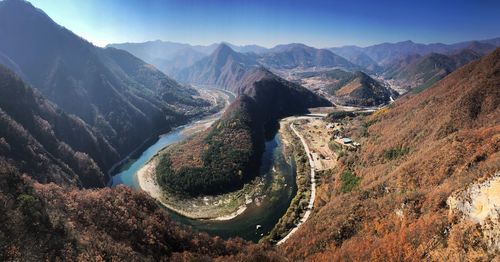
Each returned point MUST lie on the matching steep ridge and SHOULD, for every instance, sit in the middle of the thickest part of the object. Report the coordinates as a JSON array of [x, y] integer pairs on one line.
[[412, 158], [302, 56], [223, 68], [227, 155], [48, 144], [361, 89], [419, 72], [109, 89]]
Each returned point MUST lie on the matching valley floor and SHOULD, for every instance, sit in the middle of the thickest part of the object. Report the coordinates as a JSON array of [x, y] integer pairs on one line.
[[306, 138]]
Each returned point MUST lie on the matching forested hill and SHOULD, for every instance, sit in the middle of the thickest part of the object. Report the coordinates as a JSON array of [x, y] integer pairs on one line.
[[43, 222], [227, 155], [43, 141]]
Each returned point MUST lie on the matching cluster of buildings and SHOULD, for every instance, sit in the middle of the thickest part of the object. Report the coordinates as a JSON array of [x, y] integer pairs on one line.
[[338, 138]]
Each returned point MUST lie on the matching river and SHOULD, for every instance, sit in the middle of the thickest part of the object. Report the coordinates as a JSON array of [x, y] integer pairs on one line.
[[260, 216]]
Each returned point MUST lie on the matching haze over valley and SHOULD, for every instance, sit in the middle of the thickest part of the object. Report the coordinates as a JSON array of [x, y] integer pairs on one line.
[[297, 146]]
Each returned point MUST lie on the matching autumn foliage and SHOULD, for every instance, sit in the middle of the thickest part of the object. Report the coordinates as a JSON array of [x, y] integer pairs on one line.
[[414, 155]]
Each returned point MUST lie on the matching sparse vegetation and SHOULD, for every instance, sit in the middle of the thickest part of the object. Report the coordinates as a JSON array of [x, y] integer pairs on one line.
[[395, 153], [49, 222], [349, 181], [398, 211]]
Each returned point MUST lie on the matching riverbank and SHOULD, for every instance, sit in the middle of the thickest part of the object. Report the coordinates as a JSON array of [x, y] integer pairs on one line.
[[302, 203], [218, 208], [220, 100], [312, 196], [224, 207], [249, 213], [221, 207]]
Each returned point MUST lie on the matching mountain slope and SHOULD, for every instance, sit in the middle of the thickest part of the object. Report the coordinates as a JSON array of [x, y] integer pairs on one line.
[[223, 68], [248, 48], [356, 56], [109, 89], [348, 88], [227, 155], [365, 62], [43, 141], [387, 52], [49, 222], [302, 56], [419, 73], [169, 57], [415, 155], [361, 89]]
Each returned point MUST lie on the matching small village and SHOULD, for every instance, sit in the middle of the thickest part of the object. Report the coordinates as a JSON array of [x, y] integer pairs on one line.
[[324, 139]]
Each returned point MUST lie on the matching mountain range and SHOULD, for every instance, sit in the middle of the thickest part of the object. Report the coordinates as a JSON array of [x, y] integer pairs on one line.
[[295, 55], [223, 68], [110, 90], [418, 72], [387, 53], [170, 57], [421, 184], [451, 129]]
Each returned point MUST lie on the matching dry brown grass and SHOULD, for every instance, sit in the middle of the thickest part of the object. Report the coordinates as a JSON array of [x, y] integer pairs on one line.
[[399, 211], [347, 89]]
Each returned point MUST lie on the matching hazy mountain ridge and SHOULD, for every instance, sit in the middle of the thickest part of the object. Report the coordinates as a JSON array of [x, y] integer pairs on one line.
[[223, 68], [109, 89], [302, 56], [419, 72], [372, 59], [171, 57], [387, 53]]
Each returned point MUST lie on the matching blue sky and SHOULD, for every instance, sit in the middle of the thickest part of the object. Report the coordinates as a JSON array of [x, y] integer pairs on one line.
[[266, 22]]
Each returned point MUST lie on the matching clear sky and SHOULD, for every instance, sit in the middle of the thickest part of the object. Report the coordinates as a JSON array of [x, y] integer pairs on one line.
[[267, 22]]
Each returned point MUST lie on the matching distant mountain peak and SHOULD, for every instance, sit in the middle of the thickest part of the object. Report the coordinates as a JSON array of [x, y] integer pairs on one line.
[[22, 10], [19, 4], [224, 47], [222, 53]]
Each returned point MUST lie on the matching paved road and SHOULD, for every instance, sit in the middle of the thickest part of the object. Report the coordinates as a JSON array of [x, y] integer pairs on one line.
[[313, 188]]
